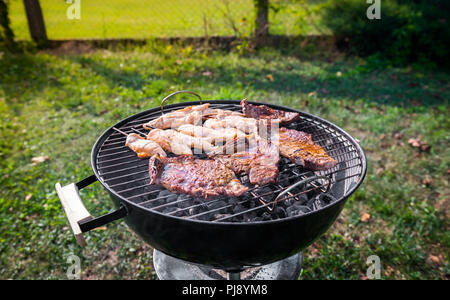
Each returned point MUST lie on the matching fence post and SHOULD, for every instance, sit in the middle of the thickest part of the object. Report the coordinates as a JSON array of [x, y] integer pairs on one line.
[[36, 23], [261, 20]]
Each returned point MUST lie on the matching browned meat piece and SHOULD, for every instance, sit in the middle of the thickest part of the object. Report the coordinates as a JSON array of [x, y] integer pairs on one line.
[[144, 148], [196, 177], [299, 147], [265, 112], [260, 169], [259, 162]]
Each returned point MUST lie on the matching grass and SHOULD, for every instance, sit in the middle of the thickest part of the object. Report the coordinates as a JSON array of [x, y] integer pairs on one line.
[[101, 19], [57, 105]]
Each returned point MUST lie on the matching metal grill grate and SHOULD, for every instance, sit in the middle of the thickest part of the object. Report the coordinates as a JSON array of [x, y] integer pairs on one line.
[[123, 172]]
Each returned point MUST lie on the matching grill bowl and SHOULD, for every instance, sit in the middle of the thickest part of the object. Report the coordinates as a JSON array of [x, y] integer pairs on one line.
[[231, 245]]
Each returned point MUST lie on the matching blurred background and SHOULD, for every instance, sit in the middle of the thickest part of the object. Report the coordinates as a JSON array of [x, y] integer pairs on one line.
[[69, 69]]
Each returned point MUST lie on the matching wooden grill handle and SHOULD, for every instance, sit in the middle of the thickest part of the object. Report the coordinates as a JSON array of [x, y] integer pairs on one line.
[[80, 219]]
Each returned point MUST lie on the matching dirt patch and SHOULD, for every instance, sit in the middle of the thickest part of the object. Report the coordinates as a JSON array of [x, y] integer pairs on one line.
[[71, 48]]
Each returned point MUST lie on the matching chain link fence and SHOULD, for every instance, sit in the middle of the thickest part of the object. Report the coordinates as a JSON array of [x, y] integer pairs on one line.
[[143, 19]]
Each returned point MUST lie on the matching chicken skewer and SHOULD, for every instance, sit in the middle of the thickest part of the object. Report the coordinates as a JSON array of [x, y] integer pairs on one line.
[[179, 143], [143, 148], [246, 125], [189, 115], [215, 136]]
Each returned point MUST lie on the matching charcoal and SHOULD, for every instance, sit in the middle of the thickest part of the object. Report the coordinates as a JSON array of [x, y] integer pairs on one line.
[[193, 211], [249, 217], [257, 219], [220, 216], [238, 208], [169, 209], [184, 201], [266, 216], [216, 204], [302, 198], [171, 198], [280, 212], [326, 198], [164, 193], [297, 210], [303, 209]]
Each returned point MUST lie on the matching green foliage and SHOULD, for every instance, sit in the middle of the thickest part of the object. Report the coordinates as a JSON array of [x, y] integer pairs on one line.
[[408, 31], [57, 106]]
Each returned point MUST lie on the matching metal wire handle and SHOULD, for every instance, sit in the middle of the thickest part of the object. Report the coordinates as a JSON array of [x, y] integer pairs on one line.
[[306, 180], [178, 92]]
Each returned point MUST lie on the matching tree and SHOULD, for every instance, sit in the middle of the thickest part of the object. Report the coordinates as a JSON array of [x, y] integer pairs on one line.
[[261, 20], [36, 23], [6, 34]]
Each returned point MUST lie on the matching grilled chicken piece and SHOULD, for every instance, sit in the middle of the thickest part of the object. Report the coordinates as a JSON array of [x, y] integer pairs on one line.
[[188, 115], [196, 177], [265, 112], [246, 125], [144, 148], [299, 147], [220, 113], [215, 136], [179, 143]]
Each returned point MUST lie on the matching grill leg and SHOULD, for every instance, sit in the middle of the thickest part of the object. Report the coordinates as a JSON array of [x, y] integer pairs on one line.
[[233, 275]]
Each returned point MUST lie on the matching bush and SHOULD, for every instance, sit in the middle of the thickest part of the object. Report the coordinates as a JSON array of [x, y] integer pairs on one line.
[[408, 31]]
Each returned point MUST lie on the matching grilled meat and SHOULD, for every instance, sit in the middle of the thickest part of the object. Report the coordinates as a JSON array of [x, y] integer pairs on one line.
[[169, 141], [265, 112], [215, 136], [259, 161], [144, 148], [246, 125], [188, 115], [179, 143], [299, 147], [196, 177]]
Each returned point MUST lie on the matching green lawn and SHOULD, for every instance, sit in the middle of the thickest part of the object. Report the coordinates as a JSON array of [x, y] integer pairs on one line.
[[57, 105], [101, 19]]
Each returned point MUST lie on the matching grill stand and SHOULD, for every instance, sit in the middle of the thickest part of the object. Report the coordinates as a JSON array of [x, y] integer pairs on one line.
[[171, 268]]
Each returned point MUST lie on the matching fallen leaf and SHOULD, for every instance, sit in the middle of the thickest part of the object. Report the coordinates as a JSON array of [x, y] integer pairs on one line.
[[398, 135], [39, 159], [434, 259], [269, 77], [427, 181], [417, 143], [365, 217], [379, 171], [207, 73], [101, 228], [28, 197]]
